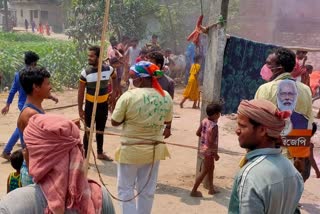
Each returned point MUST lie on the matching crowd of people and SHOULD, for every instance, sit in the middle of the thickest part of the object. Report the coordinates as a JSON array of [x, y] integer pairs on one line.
[[41, 27], [49, 172]]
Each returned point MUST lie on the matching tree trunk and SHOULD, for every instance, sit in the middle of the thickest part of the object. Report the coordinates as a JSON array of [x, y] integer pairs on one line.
[[6, 16], [224, 10], [172, 28]]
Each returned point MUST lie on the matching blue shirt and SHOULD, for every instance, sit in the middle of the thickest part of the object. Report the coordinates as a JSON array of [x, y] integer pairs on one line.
[[16, 87], [190, 52], [267, 183]]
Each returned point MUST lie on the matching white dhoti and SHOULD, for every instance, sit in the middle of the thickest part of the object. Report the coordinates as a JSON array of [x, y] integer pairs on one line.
[[135, 176]]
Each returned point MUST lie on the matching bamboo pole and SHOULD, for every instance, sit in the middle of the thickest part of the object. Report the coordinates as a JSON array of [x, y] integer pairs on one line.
[[103, 38]]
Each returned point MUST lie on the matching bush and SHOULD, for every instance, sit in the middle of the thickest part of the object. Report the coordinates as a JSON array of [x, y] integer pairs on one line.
[[61, 58]]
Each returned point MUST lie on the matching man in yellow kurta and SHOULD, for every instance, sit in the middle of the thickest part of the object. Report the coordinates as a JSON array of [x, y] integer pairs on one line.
[[143, 111], [281, 63]]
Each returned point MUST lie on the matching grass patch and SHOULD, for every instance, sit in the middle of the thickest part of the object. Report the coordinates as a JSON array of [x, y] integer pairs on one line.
[[61, 58]]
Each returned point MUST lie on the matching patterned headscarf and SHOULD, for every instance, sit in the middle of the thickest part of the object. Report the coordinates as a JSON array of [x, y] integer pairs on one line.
[[147, 69]]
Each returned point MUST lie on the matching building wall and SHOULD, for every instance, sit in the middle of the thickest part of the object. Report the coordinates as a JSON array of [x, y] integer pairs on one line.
[[54, 18], [254, 20], [283, 22]]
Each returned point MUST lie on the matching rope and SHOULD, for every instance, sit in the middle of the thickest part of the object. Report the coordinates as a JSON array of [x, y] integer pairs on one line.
[[168, 143], [101, 180], [61, 107]]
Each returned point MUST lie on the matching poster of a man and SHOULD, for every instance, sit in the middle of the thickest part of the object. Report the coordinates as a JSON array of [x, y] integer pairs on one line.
[[287, 96]]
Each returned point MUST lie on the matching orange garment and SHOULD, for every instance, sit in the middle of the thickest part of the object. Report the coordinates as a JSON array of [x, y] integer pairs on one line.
[[192, 89], [299, 151], [195, 35], [314, 81], [48, 29], [40, 29]]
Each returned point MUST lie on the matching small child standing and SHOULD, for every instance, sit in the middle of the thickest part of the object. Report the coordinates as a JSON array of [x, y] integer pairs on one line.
[[208, 133], [14, 180]]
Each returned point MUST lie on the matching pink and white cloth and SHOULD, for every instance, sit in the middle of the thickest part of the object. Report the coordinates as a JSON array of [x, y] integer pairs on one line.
[[56, 164]]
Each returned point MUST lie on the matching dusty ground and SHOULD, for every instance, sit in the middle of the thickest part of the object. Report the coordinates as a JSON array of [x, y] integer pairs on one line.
[[177, 174]]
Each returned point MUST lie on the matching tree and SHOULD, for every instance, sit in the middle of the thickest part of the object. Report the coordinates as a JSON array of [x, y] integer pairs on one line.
[[86, 21], [6, 15], [126, 18], [178, 19]]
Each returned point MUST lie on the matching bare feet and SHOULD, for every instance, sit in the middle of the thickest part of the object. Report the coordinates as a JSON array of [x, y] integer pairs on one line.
[[196, 194], [104, 157], [213, 191]]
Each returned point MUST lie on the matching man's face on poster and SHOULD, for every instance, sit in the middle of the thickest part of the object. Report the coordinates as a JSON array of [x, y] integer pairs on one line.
[[287, 95]]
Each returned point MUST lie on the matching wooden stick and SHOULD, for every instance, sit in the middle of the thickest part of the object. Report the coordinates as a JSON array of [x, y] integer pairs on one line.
[[303, 48], [103, 38]]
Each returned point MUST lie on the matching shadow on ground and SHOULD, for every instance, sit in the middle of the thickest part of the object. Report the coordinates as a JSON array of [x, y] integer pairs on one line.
[[106, 168], [310, 208], [222, 198]]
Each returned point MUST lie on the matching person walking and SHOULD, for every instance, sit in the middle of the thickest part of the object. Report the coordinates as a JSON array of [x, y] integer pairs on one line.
[[30, 60], [192, 91]]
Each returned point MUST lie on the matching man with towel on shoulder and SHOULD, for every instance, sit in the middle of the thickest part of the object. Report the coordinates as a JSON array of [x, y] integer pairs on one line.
[[267, 181], [55, 157]]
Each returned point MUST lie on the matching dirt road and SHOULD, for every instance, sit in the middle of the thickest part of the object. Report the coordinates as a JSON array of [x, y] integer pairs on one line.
[[176, 175]]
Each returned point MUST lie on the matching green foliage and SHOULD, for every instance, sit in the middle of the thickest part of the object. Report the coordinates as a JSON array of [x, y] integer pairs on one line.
[[61, 58], [21, 37], [175, 19], [127, 17], [85, 24]]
